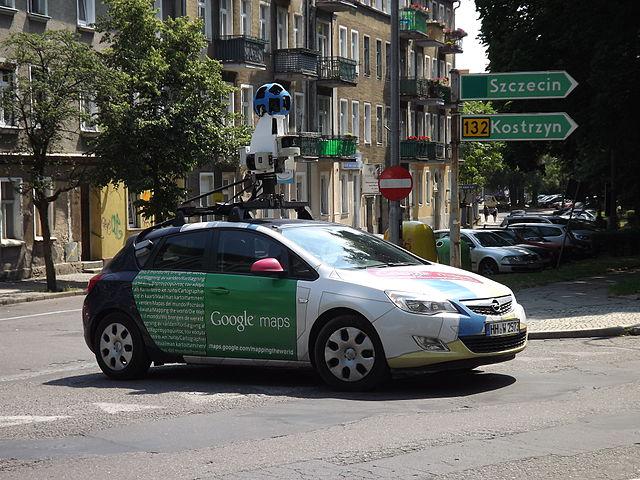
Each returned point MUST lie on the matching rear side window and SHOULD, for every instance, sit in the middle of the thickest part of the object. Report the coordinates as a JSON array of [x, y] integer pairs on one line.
[[185, 251], [550, 231], [239, 249]]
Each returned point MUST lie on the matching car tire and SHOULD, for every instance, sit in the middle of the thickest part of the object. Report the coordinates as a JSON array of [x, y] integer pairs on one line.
[[488, 267], [119, 348], [349, 355]]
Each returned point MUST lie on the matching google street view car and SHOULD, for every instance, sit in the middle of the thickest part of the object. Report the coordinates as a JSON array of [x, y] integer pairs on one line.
[[285, 292]]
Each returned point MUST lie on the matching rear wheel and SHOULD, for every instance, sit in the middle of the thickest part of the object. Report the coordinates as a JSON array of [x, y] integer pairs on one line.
[[488, 267], [349, 355], [120, 351]]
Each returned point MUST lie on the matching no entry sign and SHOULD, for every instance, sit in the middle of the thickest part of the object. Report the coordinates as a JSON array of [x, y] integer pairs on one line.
[[395, 183]]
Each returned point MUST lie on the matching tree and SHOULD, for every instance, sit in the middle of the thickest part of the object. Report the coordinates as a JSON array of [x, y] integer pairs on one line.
[[169, 116], [481, 159], [601, 51], [54, 70]]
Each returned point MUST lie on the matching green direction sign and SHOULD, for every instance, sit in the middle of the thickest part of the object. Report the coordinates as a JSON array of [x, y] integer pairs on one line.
[[516, 85], [516, 127]]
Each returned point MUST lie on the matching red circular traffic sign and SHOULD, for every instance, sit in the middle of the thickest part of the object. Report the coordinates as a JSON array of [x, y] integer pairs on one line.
[[395, 183]]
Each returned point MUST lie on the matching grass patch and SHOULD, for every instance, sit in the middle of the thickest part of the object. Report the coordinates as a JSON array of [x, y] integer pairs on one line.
[[628, 286], [571, 271]]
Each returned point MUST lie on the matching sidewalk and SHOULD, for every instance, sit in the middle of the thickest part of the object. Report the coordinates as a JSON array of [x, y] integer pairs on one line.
[[35, 288], [579, 308]]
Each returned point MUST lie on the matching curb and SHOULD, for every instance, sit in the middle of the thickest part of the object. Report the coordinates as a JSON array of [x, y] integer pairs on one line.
[[34, 297], [586, 333]]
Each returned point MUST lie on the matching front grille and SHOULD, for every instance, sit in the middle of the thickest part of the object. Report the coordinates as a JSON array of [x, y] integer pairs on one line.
[[484, 344], [488, 309]]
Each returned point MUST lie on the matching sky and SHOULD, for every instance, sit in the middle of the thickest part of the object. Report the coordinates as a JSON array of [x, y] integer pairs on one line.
[[474, 57]]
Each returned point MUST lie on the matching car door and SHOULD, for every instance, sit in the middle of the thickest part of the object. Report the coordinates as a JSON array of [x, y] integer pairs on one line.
[[169, 293], [250, 315], [552, 234], [473, 252]]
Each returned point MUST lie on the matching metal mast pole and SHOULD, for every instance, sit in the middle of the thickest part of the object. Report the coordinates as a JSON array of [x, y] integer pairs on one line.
[[394, 160], [454, 221]]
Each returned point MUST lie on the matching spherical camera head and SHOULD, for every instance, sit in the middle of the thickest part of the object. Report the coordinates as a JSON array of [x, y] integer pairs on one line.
[[272, 99]]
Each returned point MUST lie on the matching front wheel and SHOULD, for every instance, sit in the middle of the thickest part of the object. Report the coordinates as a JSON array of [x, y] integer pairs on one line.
[[349, 355], [120, 351], [488, 267]]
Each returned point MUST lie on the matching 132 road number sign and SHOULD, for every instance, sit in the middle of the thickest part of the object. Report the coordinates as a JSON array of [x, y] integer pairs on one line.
[[476, 127]]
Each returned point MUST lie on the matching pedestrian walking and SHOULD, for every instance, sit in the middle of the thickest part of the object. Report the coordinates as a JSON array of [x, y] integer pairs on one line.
[[485, 212], [494, 212]]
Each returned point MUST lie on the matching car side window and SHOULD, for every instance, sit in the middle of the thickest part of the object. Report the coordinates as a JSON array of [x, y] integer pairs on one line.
[[239, 249], [468, 240], [185, 251], [550, 232], [300, 269]]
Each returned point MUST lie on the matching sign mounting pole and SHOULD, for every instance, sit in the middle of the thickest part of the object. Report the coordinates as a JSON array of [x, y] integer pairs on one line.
[[394, 160], [454, 220]]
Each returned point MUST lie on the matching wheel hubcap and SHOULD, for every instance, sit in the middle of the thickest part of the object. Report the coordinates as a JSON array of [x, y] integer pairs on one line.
[[116, 346], [349, 354]]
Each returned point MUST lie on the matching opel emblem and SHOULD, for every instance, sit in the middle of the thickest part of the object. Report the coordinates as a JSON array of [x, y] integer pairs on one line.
[[495, 305]]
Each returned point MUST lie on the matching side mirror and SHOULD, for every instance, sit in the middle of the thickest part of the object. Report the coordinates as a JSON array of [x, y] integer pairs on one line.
[[269, 266]]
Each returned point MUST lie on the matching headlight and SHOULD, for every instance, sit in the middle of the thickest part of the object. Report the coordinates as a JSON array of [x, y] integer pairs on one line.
[[584, 238], [416, 303], [512, 259]]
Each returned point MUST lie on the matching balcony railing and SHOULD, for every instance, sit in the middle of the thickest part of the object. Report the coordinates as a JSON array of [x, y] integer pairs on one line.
[[308, 142], [413, 23], [422, 150], [335, 71], [440, 90], [240, 51], [314, 145], [296, 62], [452, 44], [335, 5]]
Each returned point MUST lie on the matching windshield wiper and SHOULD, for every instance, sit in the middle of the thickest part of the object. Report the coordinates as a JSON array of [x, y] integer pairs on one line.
[[393, 264]]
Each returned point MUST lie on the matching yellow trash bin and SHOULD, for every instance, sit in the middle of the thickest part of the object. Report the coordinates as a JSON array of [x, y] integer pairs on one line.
[[418, 238]]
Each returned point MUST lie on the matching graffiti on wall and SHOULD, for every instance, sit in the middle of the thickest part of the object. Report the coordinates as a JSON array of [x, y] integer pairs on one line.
[[113, 226]]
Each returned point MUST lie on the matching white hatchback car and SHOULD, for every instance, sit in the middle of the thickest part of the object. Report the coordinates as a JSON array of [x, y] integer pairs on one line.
[[293, 292]]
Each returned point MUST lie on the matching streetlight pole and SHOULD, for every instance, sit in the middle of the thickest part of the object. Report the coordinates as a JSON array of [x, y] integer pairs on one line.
[[454, 220], [394, 135]]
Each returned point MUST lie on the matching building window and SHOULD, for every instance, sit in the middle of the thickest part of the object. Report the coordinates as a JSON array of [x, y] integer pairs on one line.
[[434, 68], [133, 218], [434, 127], [344, 194], [379, 4], [226, 25], [324, 194], [324, 114], [86, 12], [282, 24], [245, 17], [204, 13], [378, 58], [366, 47], [38, 7], [301, 187], [411, 62], [367, 123], [169, 8], [355, 49], [322, 38], [8, 3], [229, 101], [298, 31], [264, 22], [387, 121], [355, 119], [417, 195], [379, 112], [387, 59], [89, 121], [448, 137], [299, 113], [342, 42], [246, 104], [442, 134], [442, 72], [37, 226], [427, 66], [427, 124], [427, 187], [419, 124], [10, 208], [344, 116], [7, 78]]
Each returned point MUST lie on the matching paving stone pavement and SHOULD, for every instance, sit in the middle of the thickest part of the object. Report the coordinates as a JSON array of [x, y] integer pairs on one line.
[[35, 288]]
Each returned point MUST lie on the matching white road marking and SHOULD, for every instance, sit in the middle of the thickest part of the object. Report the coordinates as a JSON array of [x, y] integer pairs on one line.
[[13, 420], [113, 408], [40, 314], [48, 371]]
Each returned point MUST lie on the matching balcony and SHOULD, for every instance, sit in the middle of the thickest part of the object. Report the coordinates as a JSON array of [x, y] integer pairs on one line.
[[333, 6], [308, 142], [452, 42], [239, 52], [314, 146], [422, 91], [413, 24], [294, 63], [441, 89], [422, 150], [337, 71]]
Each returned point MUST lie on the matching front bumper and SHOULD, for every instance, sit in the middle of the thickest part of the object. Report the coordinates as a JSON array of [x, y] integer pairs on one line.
[[526, 267]]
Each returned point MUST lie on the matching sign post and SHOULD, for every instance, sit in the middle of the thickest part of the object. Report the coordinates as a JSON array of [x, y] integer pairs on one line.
[[455, 257], [517, 127], [516, 85]]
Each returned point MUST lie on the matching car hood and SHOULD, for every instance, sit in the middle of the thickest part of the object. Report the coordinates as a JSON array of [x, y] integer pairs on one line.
[[439, 282], [514, 250]]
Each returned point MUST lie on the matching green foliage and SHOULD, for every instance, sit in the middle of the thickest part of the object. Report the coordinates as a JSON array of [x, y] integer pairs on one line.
[[481, 159], [601, 51], [168, 116], [54, 70]]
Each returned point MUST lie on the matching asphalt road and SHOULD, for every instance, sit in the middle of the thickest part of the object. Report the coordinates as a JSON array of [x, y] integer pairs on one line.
[[563, 409]]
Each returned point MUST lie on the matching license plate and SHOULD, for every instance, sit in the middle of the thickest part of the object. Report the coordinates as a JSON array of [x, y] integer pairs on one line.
[[496, 329]]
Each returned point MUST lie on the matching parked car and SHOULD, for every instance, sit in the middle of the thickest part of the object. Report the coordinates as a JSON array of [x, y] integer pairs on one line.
[[547, 251], [511, 219], [270, 292], [490, 254], [556, 234], [549, 199]]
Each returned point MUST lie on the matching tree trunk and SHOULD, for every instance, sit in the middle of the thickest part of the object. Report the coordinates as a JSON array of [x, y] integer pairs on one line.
[[613, 212], [43, 210]]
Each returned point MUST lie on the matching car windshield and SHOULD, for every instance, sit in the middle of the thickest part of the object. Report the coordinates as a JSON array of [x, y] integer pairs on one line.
[[507, 236], [488, 239], [344, 247]]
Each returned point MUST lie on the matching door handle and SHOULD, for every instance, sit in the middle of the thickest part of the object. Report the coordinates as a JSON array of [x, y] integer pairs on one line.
[[219, 290]]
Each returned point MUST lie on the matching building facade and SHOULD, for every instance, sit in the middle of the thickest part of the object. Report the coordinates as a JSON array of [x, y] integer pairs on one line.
[[332, 56]]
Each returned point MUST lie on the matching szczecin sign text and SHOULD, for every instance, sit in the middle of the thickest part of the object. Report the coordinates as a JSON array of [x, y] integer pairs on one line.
[[516, 85], [516, 126]]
